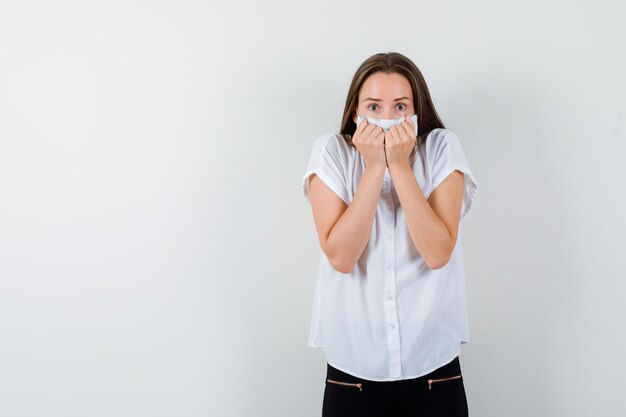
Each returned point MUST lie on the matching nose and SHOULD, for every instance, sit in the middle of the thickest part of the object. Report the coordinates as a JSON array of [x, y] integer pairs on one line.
[[390, 114]]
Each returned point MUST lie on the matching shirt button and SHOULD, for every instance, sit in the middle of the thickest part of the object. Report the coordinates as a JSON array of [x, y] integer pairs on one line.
[[389, 266], [389, 297], [391, 326], [385, 182], [388, 236], [388, 205]]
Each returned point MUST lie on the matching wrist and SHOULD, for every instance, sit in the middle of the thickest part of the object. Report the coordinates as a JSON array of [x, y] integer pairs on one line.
[[377, 168], [399, 166]]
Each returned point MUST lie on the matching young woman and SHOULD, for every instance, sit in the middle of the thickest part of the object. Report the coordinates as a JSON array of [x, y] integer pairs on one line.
[[387, 194]]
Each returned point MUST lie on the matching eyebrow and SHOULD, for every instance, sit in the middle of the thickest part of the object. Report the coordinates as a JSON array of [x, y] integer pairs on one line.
[[377, 99]]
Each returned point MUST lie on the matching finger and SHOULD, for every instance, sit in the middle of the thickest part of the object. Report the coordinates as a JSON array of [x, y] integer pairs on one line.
[[385, 137], [369, 128], [405, 130], [376, 131], [361, 126], [408, 128], [395, 132]]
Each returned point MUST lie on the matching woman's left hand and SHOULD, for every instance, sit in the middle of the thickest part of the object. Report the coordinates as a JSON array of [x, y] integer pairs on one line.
[[399, 142]]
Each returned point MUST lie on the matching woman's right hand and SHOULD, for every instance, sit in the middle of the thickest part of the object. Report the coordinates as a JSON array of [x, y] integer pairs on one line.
[[369, 140]]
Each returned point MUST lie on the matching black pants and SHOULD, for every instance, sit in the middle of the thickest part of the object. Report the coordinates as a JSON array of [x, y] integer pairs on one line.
[[439, 393]]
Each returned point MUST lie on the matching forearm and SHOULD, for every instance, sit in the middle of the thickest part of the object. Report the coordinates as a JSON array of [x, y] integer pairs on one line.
[[350, 235], [428, 233]]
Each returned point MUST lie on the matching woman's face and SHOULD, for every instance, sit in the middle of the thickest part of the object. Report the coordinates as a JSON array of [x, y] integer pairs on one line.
[[385, 96]]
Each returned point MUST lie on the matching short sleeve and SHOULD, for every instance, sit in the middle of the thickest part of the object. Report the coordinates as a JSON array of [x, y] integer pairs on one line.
[[447, 156], [326, 163]]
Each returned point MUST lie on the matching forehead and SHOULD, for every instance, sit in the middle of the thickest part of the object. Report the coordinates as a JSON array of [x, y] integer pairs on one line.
[[385, 86]]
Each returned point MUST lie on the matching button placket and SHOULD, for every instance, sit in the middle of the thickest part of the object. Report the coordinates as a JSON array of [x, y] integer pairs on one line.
[[391, 311]]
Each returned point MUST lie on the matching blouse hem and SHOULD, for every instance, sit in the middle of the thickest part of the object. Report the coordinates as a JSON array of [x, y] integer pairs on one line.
[[458, 352]]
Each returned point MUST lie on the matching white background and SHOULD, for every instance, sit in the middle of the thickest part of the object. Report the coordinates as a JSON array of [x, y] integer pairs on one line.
[[157, 257]]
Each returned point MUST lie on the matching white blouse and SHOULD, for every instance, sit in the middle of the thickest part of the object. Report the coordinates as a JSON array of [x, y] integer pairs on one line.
[[392, 317]]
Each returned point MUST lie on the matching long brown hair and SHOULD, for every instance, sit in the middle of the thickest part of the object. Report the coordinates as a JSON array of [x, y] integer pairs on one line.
[[392, 62]]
